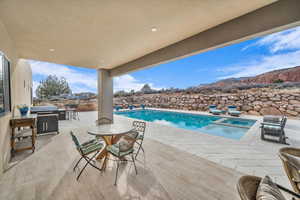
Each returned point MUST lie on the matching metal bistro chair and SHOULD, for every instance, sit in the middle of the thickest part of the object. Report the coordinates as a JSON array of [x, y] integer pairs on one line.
[[140, 127], [124, 147], [84, 149], [274, 130]]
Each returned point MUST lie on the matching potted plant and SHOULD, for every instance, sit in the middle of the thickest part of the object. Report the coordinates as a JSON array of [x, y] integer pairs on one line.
[[23, 109]]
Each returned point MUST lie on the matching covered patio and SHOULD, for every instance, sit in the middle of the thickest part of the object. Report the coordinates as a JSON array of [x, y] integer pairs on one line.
[[117, 38]]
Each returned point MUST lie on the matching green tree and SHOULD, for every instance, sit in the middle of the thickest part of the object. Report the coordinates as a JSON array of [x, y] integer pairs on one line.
[[146, 89], [278, 81], [52, 86]]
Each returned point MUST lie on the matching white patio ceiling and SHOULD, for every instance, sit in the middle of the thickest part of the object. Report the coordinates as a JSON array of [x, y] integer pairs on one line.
[[106, 33]]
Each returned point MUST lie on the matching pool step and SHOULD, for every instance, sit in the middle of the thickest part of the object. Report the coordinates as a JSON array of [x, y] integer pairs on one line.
[[220, 122]]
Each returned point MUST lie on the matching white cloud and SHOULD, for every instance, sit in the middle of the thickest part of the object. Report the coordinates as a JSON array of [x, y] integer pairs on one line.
[[80, 81], [128, 82], [284, 40], [262, 65], [74, 78], [34, 86]]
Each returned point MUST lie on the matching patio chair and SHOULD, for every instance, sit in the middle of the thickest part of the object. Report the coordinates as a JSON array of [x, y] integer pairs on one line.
[[72, 111], [143, 106], [124, 147], [272, 118], [213, 109], [290, 158], [130, 107], [248, 185], [140, 127], [85, 149], [274, 130], [117, 108], [232, 110]]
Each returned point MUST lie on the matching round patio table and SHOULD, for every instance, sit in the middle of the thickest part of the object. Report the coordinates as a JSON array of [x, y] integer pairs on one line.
[[110, 134]]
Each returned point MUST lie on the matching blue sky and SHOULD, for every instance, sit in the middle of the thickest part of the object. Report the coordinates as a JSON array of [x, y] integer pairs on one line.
[[249, 58]]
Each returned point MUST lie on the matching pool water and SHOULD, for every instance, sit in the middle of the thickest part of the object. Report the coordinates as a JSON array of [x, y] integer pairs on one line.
[[195, 122], [239, 122]]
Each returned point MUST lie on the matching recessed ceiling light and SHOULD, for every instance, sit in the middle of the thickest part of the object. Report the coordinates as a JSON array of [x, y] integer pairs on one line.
[[51, 50], [153, 29]]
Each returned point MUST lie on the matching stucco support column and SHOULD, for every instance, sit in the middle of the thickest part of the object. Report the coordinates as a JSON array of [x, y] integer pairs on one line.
[[105, 94]]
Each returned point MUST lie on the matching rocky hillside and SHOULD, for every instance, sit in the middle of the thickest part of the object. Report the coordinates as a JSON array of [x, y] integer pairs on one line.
[[282, 75], [262, 101]]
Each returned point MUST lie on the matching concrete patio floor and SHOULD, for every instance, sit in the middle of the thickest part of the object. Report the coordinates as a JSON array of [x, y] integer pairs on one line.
[[176, 165], [164, 172]]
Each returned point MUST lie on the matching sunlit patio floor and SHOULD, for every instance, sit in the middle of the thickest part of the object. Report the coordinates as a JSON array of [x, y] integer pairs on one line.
[[179, 164], [163, 173]]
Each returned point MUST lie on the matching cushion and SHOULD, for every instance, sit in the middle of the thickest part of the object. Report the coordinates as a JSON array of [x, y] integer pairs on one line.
[[114, 149], [91, 147], [234, 112], [127, 141], [215, 111], [268, 190], [294, 163], [124, 144], [132, 134]]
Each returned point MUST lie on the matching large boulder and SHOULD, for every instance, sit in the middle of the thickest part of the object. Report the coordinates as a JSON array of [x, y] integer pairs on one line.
[[246, 108], [253, 112], [270, 111], [292, 112], [294, 102]]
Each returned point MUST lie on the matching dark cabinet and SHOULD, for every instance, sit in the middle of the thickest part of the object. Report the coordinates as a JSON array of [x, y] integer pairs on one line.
[[47, 123], [62, 114]]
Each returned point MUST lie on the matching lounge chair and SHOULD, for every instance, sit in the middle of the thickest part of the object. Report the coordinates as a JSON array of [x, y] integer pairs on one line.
[[290, 158], [117, 108], [247, 187], [213, 109], [275, 130], [233, 111]]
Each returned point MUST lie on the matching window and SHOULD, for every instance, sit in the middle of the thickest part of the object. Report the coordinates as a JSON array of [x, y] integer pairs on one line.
[[5, 98]]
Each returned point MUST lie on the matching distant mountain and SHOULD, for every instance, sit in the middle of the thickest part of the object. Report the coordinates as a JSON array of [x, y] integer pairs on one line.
[[225, 82], [281, 75]]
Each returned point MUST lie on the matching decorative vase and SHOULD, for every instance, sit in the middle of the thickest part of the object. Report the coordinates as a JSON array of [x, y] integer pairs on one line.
[[23, 111]]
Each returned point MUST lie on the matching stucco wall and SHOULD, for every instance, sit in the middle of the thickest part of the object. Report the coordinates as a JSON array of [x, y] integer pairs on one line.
[[20, 72]]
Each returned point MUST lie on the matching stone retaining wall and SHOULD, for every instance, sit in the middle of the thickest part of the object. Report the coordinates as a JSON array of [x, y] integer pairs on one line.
[[254, 101]]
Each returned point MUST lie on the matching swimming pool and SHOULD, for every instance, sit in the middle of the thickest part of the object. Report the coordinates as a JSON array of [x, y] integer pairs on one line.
[[232, 128]]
